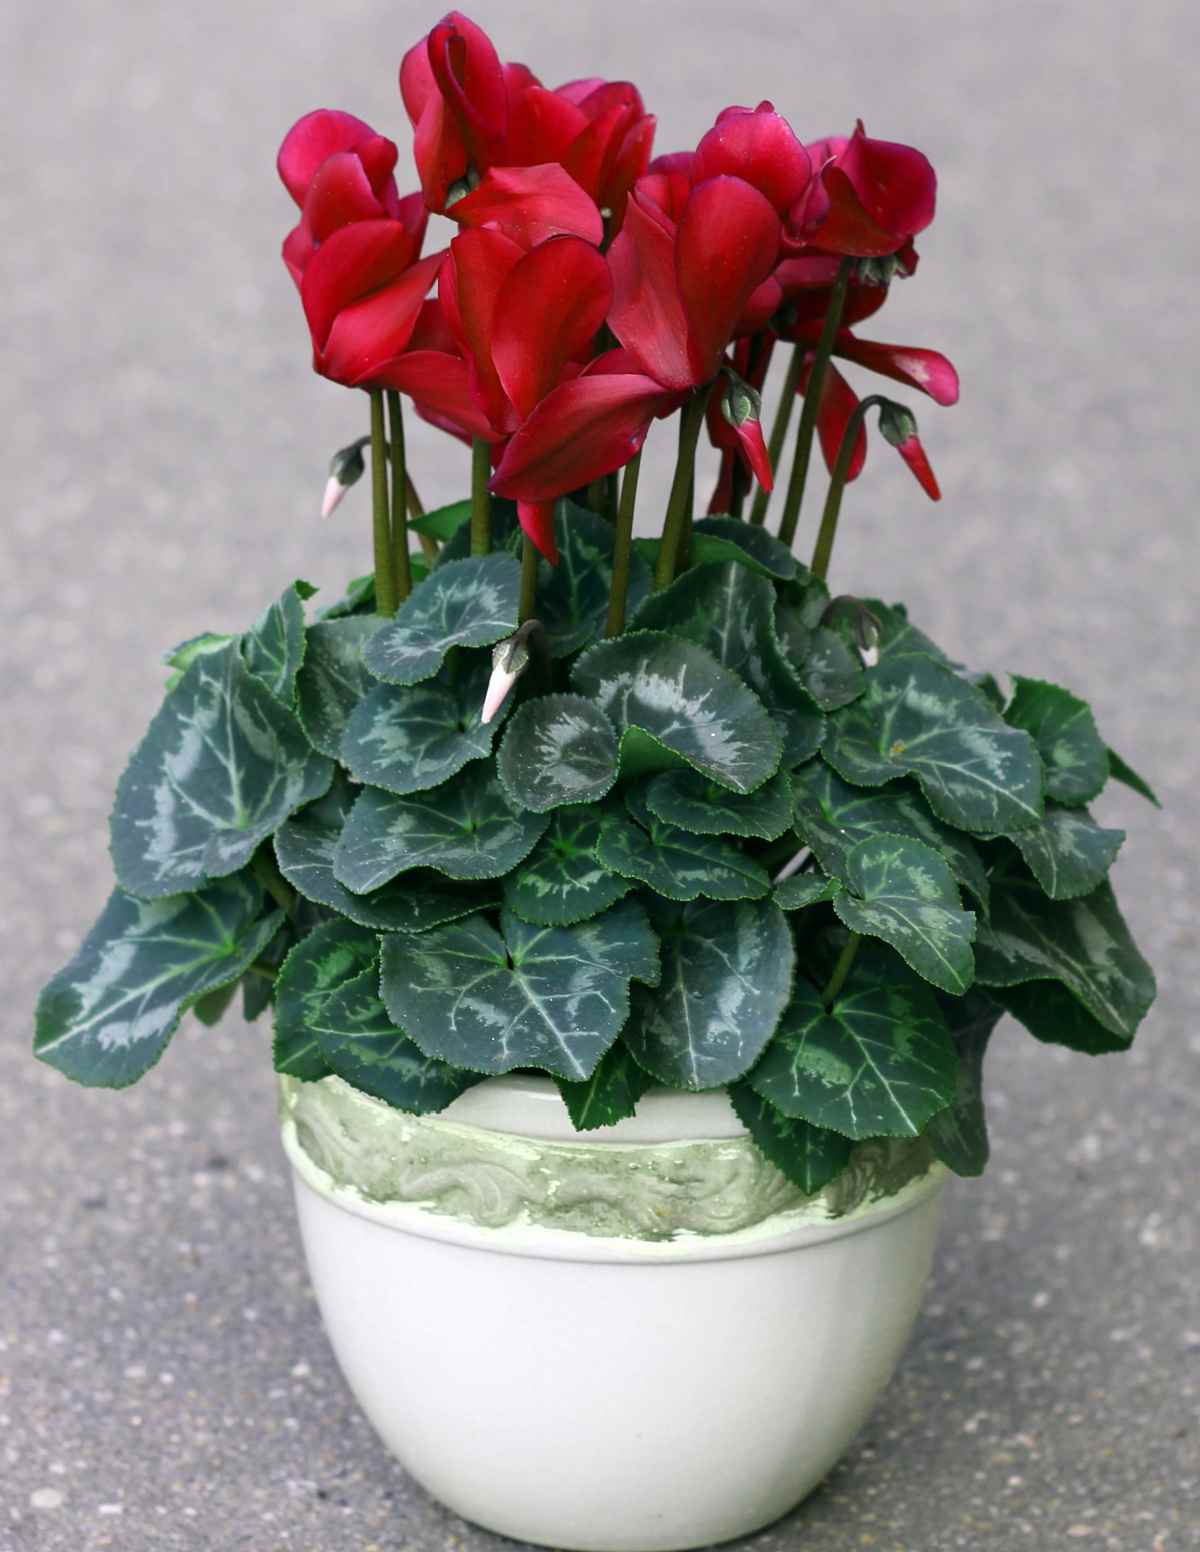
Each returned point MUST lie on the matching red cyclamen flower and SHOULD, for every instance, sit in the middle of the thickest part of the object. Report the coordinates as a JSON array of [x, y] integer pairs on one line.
[[868, 198]]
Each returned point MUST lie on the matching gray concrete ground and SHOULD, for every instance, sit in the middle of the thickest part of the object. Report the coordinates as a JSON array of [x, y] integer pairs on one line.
[[164, 1381]]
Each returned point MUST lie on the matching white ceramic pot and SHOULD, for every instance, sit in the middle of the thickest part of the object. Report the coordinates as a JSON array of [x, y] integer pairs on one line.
[[636, 1342]]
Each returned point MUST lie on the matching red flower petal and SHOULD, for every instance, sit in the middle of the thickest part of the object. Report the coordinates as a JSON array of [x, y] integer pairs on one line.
[[530, 204], [581, 430], [727, 244], [471, 81], [927, 370], [355, 261], [880, 195], [627, 167], [367, 334], [339, 193], [914, 456], [439, 385], [750, 436], [541, 126], [311, 141], [480, 263], [548, 312], [838, 403], [759, 147], [647, 311], [537, 523], [298, 248]]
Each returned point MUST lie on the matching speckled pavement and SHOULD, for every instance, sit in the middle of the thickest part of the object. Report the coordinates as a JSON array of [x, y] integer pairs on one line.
[[164, 1382]]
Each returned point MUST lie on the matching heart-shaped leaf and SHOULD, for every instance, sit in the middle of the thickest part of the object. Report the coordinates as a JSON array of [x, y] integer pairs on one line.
[[727, 977], [609, 1095], [720, 540], [1064, 730], [467, 603], [549, 997], [1068, 852], [1051, 1014], [1083, 943], [916, 717], [562, 881], [325, 960], [107, 1016], [728, 610], [181, 657], [221, 767], [959, 1133], [305, 847], [899, 637], [443, 522], [408, 738], [901, 890], [273, 647], [674, 862], [686, 798], [466, 829], [679, 695], [359, 1042], [828, 666], [333, 679], [810, 1156], [572, 597], [804, 889], [833, 816], [557, 749], [879, 1063]]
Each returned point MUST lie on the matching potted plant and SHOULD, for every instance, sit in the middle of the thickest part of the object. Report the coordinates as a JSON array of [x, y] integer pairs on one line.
[[632, 914]]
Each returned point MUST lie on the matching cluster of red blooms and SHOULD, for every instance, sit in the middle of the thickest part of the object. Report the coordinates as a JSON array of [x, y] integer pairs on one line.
[[591, 289]]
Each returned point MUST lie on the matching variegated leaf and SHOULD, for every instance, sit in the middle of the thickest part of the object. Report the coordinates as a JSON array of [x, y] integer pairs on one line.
[[720, 540], [563, 881], [557, 749], [879, 1063], [727, 977], [916, 717], [1082, 943], [810, 1156], [467, 603], [548, 997], [1064, 730], [901, 890], [107, 1016], [466, 829], [359, 1042], [408, 738], [688, 799], [333, 678], [899, 637], [804, 889], [832, 816], [1068, 852], [729, 611], [675, 863], [221, 767], [609, 1095], [959, 1133], [273, 647], [828, 666], [325, 960], [181, 657], [572, 597]]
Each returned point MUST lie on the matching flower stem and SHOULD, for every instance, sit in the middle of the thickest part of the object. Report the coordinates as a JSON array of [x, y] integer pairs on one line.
[[623, 547], [529, 571], [400, 562], [739, 485], [416, 508], [679, 504], [812, 400], [841, 970], [385, 585], [779, 430], [266, 871], [481, 507], [823, 549]]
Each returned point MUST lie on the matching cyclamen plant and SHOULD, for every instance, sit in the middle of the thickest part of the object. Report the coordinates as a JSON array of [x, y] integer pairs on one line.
[[541, 796]]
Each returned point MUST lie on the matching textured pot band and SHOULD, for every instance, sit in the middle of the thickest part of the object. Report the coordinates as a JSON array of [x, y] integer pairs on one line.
[[646, 1191]]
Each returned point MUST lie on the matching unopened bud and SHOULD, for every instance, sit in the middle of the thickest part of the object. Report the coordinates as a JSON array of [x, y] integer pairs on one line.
[[739, 401], [863, 624], [346, 468], [510, 659], [899, 427], [794, 866], [463, 186], [877, 272]]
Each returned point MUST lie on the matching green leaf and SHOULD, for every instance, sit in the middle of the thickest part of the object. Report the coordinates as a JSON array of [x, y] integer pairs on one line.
[[1083, 943], [549, 997], [681, 697], [1068, 852], [359, 1042], [572, 597], [609, 1095], [305, 848], [727, 977], [408, 738], [505, 531], [563, 881], [729, 611], [685, 798], [899, 637], [879, 1063], [443, 522], [804, 889], [212, 1007], [721, 540], [273, 647], [557, 749], [359, 598], [833, 816], [465, 829], [828, 666], [258, 990], [1126, 774], [107, 1016], [674, 862], [467, 603], [810, 1156], [184, 655], [1064, 730], [333, 679], [221, 767], [959, 1133], [325, 960], [918, 718], [901, 890], [1052, 1015]]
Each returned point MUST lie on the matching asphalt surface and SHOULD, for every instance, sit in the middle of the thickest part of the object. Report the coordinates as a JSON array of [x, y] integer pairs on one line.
[[164, 1381]]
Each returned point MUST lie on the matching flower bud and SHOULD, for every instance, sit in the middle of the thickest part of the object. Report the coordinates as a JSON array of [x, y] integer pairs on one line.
[[510, 659], [898, 426], [863, 623], [739, 401], [878, 272], [346, 468]]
